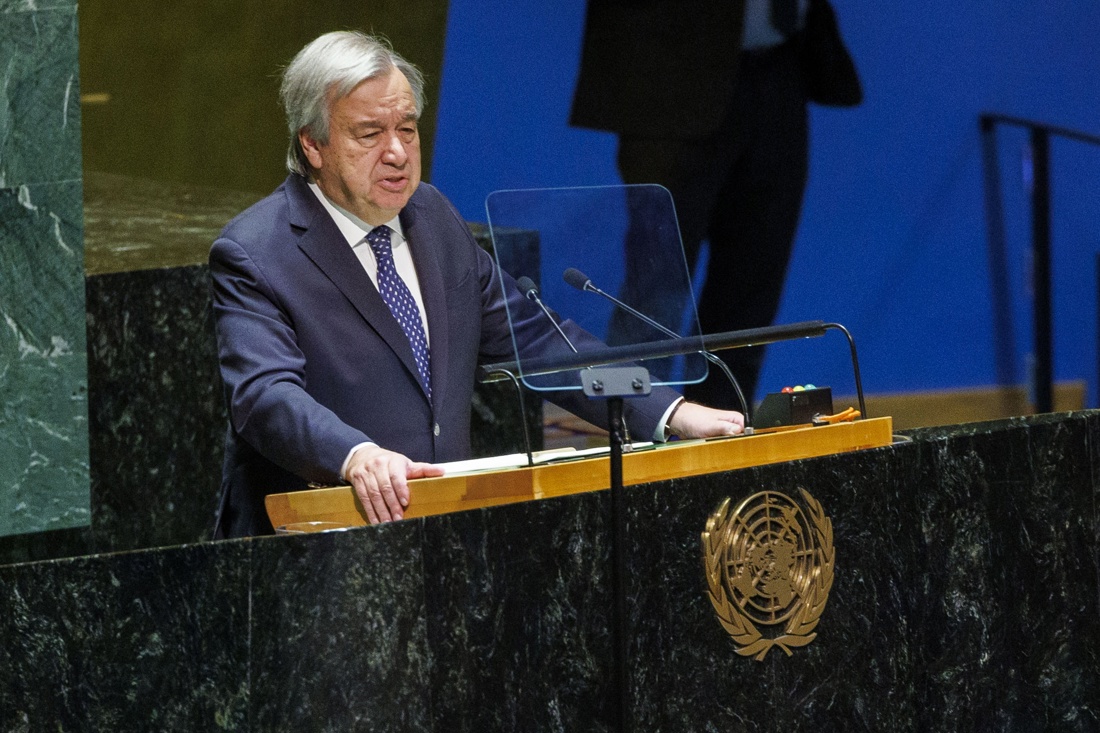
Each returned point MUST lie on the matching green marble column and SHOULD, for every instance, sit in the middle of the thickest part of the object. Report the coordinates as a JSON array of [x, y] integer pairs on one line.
[[43, 366]]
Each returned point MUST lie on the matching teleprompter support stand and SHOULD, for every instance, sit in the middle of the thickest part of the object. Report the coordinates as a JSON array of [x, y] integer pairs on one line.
[[614, 384]]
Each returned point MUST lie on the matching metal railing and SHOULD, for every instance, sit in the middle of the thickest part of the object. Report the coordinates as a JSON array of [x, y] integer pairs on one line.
[[1040, 135]]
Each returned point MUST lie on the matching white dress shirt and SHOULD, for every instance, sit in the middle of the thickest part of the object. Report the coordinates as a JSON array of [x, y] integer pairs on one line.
[[355, 231]]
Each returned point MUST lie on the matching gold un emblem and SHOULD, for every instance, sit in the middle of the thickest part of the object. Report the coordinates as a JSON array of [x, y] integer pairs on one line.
[[767, 563]]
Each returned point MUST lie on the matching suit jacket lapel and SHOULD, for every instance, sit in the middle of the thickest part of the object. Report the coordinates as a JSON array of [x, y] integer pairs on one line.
[[426, 258], [323, 243]]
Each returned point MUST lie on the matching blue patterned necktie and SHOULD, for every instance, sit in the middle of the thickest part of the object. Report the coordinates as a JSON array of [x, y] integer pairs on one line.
[[400, 301]]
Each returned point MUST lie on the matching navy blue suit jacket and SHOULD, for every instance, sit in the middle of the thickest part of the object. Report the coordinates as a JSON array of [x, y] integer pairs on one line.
[[314, 363]]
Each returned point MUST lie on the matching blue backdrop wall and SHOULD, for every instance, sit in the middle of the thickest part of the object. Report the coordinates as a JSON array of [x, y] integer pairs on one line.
[[892, 241]]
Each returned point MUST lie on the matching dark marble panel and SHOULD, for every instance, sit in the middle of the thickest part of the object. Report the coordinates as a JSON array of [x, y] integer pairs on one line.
[[1092, 434], [519, 603], [157, 412], [515, 250], [855, 675], [963, 651], [43, 388], [859, 673], [38, 546], [990, 426], [965, 598], [338, 632], [1012, 580], [40, 121], [1048, 573], [682, 666], [137, 642]]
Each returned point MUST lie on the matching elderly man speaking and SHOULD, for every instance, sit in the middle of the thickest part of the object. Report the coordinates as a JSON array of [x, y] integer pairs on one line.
[[352, 305]]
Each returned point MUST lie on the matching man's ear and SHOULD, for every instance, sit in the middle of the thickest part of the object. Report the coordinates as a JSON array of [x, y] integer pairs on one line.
[[311, 149]]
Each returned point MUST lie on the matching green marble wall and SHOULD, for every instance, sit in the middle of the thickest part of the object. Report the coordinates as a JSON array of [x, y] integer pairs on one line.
[[43, 370]]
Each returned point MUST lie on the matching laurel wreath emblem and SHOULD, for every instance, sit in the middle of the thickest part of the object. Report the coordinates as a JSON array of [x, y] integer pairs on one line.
[[799, 630]]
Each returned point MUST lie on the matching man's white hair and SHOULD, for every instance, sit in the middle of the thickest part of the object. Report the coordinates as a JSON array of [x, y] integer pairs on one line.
[[329, 68]]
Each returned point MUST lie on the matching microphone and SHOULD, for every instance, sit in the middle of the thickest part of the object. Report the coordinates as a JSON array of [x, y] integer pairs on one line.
[[578, 279], [530, 291], [582, 282]]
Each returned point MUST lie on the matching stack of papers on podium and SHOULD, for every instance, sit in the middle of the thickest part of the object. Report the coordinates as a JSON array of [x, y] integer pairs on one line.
[[519, 460]]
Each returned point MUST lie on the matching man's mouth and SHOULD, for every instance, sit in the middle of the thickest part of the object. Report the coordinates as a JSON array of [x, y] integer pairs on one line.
[[394, 183]]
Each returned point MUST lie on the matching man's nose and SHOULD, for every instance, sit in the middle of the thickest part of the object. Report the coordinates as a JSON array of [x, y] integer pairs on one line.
[[395, 153]]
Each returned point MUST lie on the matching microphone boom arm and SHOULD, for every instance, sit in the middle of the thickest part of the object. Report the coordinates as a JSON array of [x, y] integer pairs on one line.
[[579, 280], [658, 349]]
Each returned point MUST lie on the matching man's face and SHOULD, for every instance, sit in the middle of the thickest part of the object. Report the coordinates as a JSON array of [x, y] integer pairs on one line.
[[370, 165]]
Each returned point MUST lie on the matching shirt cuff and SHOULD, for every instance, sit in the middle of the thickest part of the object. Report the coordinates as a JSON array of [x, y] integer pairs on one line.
[[663, 432], [344, 465]]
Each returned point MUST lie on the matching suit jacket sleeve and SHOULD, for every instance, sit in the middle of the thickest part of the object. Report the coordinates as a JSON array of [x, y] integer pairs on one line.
[[264, 373]]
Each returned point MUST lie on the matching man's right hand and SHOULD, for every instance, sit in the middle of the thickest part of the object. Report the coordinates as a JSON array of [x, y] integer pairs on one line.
[[380, 479]]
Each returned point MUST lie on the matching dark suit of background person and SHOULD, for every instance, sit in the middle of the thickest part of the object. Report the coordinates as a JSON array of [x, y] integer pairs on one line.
[[724, 130], [320, 375]]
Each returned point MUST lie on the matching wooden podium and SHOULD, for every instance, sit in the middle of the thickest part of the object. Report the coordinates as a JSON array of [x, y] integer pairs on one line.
[[339, 507]]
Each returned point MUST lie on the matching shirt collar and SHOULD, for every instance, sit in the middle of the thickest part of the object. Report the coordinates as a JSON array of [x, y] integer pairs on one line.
[[351, 226]]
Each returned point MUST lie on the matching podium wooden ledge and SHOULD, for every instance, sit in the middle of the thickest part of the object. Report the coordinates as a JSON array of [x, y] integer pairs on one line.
[[446, 494]]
